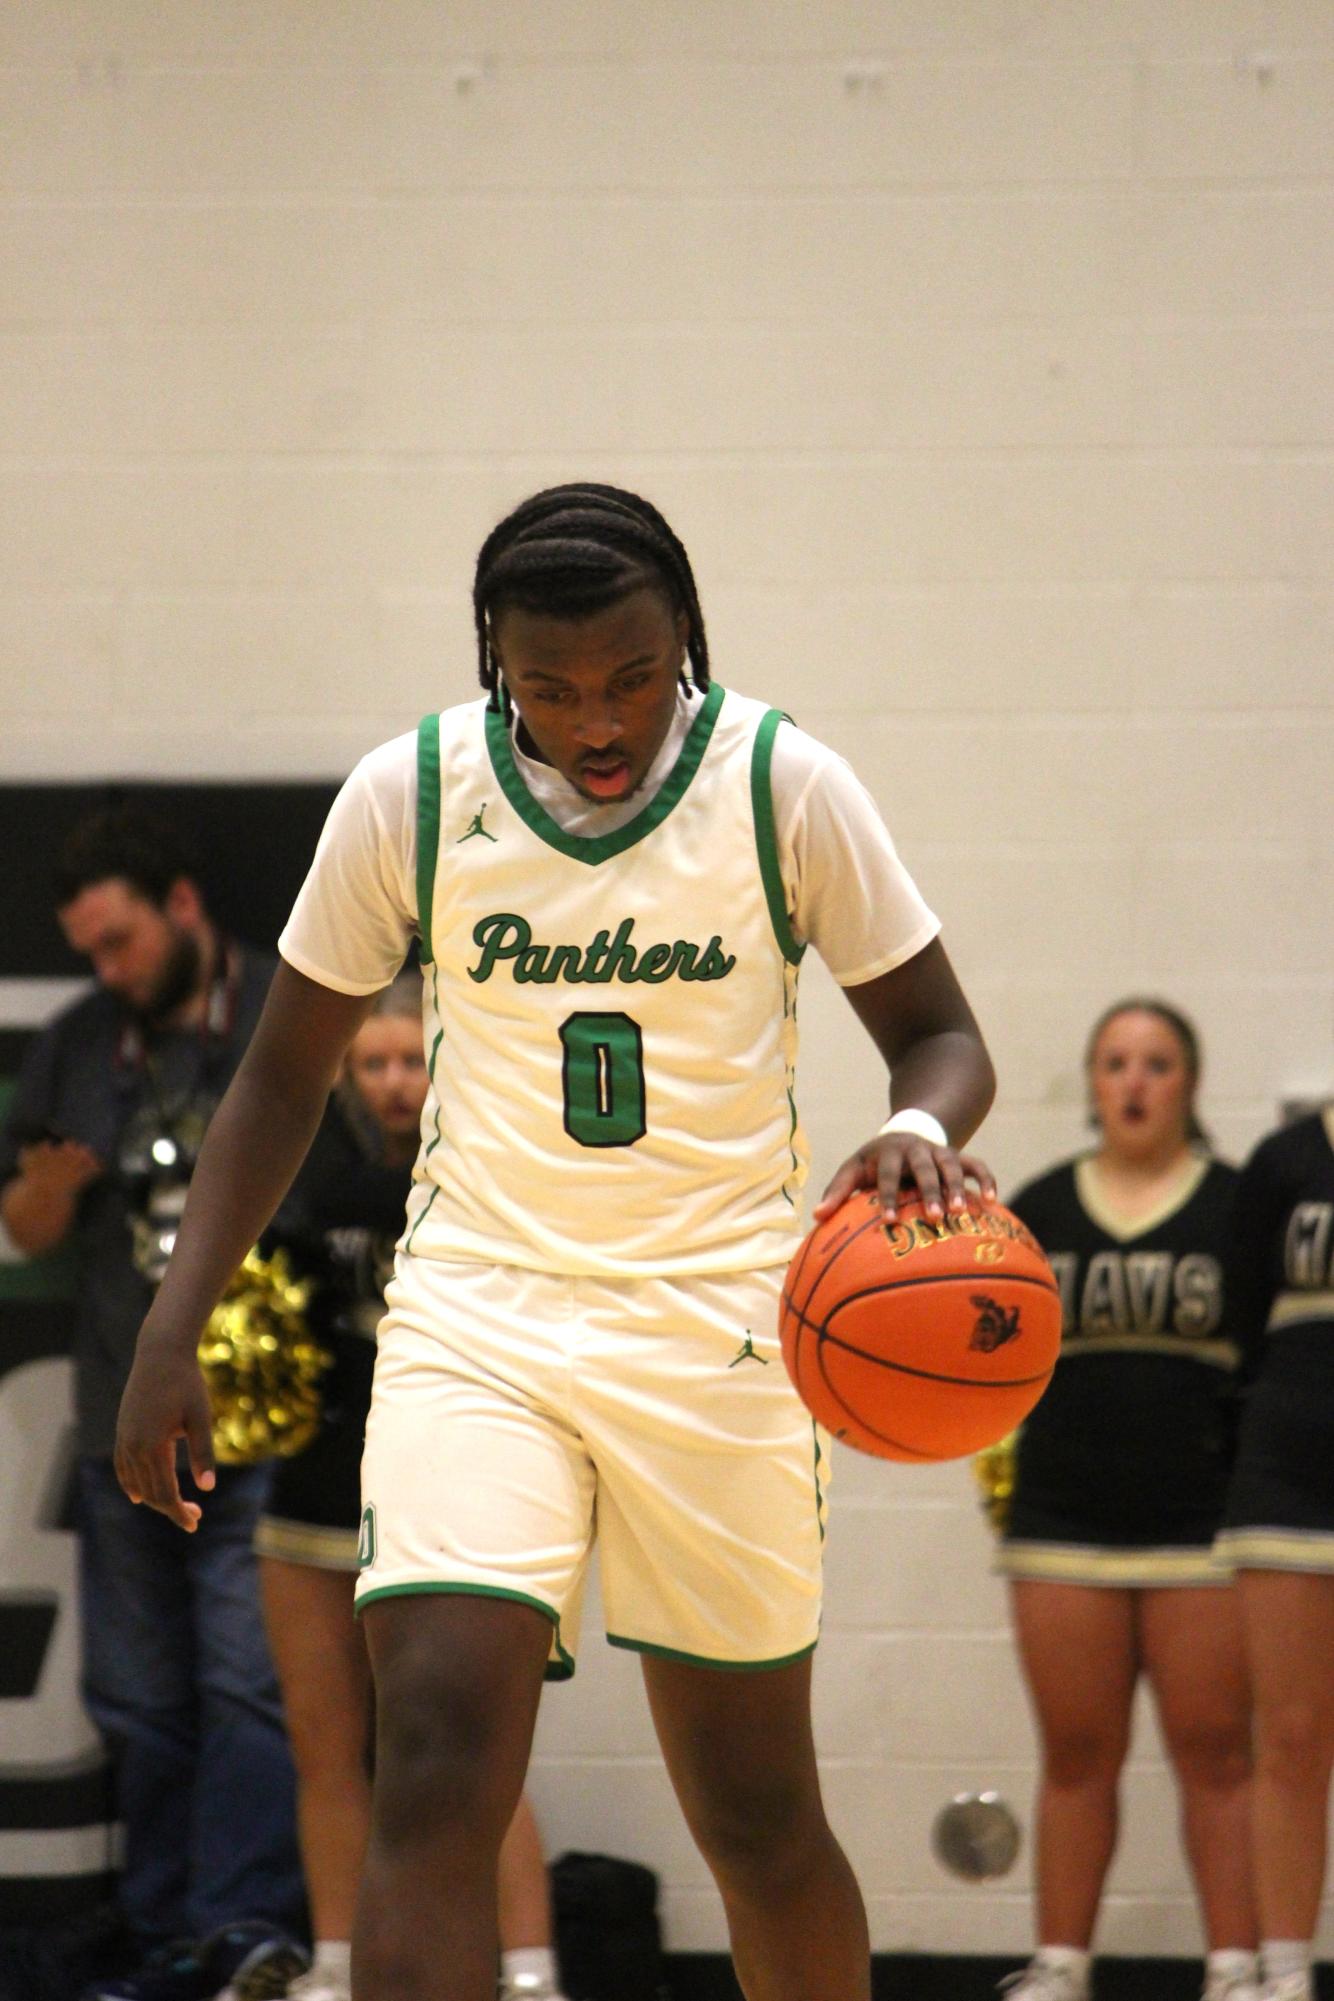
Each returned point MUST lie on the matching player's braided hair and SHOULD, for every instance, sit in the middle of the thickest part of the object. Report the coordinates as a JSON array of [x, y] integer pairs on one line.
[[573, 550]]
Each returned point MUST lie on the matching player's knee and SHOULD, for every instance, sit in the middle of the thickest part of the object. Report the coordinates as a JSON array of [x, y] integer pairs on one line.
[[435, 1765], [762, 1831]]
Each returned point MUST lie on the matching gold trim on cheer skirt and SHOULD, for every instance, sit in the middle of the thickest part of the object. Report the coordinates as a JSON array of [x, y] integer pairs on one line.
[[1291, 1307], [314, 1544], [1130, 1569], [1278, 1549]]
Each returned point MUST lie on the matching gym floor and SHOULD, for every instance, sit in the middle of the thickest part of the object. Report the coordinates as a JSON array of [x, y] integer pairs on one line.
[[917, 1977]]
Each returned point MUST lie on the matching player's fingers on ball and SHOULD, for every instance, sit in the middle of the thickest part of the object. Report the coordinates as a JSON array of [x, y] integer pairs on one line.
[[849, 1177], [951, 1171], [978, 1171], [921, 1164], [891, 1169]]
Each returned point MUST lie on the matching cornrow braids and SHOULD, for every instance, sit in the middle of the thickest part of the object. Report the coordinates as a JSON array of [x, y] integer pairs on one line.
[[573, 550]]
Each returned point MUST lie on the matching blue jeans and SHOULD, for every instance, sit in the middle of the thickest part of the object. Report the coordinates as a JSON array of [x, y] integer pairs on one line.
[[178, 1679]]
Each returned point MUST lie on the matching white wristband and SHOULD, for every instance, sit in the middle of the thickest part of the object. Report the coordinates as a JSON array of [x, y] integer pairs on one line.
[[913, 1120]]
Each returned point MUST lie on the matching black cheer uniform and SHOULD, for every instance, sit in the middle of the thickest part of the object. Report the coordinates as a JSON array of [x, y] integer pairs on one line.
[[1122, 1469], [1280, 1510], [340, 1224]]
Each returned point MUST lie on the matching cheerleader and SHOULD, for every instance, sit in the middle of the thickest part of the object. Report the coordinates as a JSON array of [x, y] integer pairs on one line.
[[1279, 1525], [1120, 1478]]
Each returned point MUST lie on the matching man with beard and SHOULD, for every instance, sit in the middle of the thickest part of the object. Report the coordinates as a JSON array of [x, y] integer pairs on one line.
[[97, 1151]]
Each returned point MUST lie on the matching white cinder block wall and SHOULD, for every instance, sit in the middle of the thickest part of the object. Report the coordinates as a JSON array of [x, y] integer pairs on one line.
[[979, 349]]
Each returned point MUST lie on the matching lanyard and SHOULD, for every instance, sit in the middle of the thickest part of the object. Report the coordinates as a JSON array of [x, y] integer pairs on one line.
[[135, 1063]]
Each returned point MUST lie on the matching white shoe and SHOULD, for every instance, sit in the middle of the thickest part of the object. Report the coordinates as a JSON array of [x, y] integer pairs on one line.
[[529, 1987], [319, 1985], [1039, 1981], [1232, 1987], [1292, 1987]]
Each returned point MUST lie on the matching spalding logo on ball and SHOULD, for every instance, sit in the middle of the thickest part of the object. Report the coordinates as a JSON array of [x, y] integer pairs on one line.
[[915, 1339]]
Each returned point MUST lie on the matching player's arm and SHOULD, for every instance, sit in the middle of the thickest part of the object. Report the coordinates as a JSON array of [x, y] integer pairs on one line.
[[921, 1023], [850, 896], [255, 1143]]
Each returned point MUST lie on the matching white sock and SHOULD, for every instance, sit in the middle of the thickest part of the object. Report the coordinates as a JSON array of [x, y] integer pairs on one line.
[[1069, 1959], [333, 1956], [1282, 1957], [1230, 1962], [536, 1962]]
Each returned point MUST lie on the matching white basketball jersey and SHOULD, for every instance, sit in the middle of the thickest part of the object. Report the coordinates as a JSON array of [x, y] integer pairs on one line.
[[611, 1021]]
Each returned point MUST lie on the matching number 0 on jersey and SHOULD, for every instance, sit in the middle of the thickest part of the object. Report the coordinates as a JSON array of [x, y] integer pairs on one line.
[[603, 1077]]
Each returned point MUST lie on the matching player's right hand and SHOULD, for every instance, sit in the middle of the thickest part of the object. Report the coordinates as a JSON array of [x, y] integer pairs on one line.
[[165, 1401]]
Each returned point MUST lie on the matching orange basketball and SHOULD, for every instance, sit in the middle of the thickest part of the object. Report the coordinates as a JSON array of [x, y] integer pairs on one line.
[[919, 1340]]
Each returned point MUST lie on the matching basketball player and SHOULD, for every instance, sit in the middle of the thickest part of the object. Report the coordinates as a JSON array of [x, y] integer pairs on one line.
[[1279, 1526], [1119, 1483], [613, 868]]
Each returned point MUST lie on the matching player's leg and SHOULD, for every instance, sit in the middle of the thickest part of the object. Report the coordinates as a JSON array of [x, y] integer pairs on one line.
[[1289, 1623], [457, 1682], [323, 1670], [711, 1492], [741, 1757], [1193, 1653], [1077, 1647], [477, 1515]]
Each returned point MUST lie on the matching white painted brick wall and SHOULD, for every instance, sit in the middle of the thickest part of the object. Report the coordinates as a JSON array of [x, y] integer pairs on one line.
[[979, 351]]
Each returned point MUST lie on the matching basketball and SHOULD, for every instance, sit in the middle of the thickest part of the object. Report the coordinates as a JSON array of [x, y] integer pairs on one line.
[[919, 1340]]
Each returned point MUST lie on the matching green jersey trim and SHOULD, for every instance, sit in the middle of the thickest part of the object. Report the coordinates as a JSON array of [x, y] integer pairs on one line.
[[601, 847], [766, 835], [428, 826], [707, 1660], [430, 1078]]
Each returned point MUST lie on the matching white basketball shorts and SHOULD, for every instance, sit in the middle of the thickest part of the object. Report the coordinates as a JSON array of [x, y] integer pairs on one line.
[[519, 1414]]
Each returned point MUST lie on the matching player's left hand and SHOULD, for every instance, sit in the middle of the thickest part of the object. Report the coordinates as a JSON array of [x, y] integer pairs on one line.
[[902, 1167]]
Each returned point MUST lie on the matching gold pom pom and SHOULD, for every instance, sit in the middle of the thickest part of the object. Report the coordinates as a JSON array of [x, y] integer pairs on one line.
[[262, 1366], [993, 1469]]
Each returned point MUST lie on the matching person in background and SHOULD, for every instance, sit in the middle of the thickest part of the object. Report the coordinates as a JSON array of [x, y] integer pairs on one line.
[[1119, 1482], [1278, 1527], [345, 1211], [110, 1111]]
